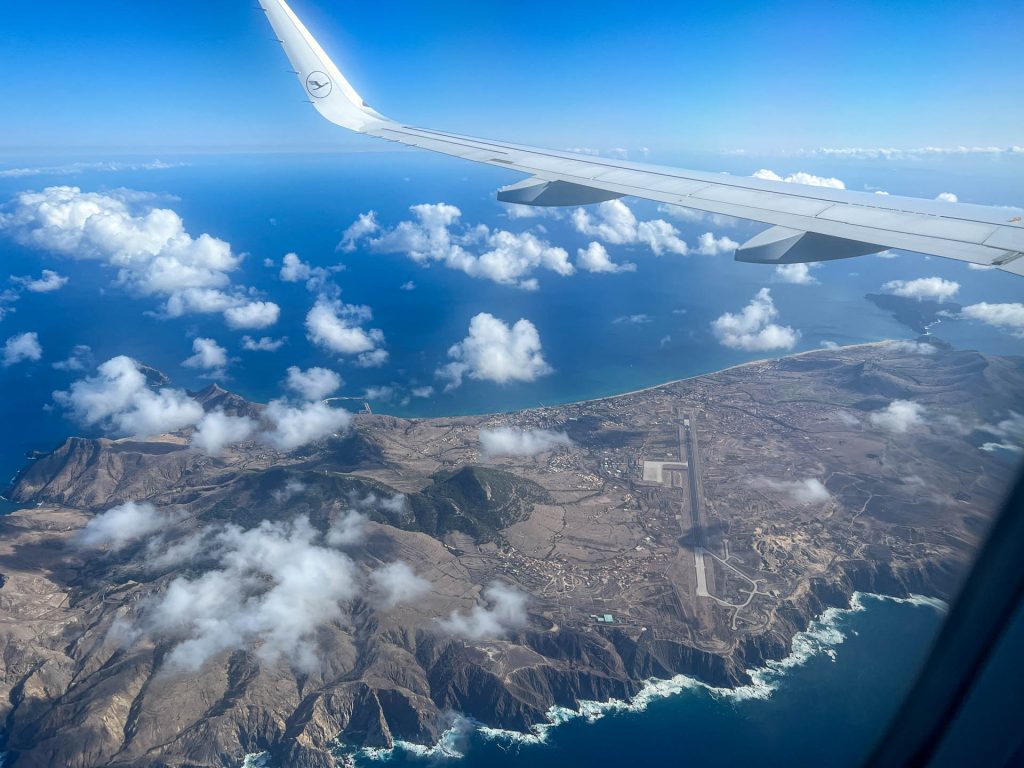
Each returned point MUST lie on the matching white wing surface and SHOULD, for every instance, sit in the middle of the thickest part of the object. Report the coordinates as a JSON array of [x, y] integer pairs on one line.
[[808, 223]]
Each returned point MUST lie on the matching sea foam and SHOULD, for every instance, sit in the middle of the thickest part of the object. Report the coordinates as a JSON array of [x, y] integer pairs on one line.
[[822, 637]]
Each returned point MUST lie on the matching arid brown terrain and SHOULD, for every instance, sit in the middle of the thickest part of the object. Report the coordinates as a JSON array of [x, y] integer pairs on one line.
[[690, 528]]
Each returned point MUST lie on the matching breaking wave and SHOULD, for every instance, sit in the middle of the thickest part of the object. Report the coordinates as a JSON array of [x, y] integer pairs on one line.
[[822, 637]]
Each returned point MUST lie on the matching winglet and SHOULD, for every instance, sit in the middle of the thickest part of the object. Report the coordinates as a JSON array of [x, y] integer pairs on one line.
[[324, 85]]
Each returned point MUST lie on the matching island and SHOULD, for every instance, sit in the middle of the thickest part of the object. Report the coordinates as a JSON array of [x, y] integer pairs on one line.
[[691, 528]]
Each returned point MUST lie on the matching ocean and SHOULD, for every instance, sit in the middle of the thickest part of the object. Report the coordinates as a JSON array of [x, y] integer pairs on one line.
[[824, 705]]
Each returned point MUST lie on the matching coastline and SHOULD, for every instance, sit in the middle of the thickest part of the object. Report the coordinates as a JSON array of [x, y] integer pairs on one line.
[[822, 636]]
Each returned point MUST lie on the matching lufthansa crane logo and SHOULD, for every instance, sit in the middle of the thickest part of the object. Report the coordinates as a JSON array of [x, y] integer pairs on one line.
[[319, 85]]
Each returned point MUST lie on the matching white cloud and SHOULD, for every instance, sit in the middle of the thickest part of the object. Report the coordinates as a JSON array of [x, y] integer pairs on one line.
[[83, 167], [79, 359], [947, 197], [408, 285], [935, 288], [253, 314], [336, 326], [515, 211], [506, 441], [422, 391], [913, 347], [709, 245], [49, 281], [263, 344], [208, 356], [614, 222], [899, 416], [807, 491], [506, 612], [800, 178], [495, 352], [149, 248], [633, 320], [436, 235], [118, 400], [218, 429], [1009, 316], [594, 258], [313, 383], [273, 586], [752, 329], [123, 525], [295, 426], [798, 274], [294, 269], [364, 226], [397, 583], [22, 347], [379, 393], [349, 528], [372, 359]]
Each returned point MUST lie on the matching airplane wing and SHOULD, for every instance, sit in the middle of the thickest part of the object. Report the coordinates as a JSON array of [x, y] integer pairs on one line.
[[807, 223]]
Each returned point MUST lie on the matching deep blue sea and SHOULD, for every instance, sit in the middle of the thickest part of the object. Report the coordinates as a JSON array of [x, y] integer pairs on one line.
[[824, 706]]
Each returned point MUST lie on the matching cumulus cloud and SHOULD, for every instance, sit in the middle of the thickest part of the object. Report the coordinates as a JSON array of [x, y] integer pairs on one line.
[[363, 227], [49, 281], [1009, 317], [594, 258], [122, 525], [422, 391], [216, 430], [899, 416], [119, 401], [495, 352], [515, 211], [149, 247], [752, 329], [208, 356], [800, 178], [349, 528], [506, 611], [263, 344], [295, 270], [1010, 432], [337, 327], [297, 425], [506, 441], [798, 274], [79, 359], [807, 491], [22, 347], [252, 314], [437, 235], [273, 586], [913, 347], [313, 383], [395, 584], [947, 197], [614, 222], [934, 288], [408, 285]]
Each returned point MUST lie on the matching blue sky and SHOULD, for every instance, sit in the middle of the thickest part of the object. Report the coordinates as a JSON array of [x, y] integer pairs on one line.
[[113, 77]]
